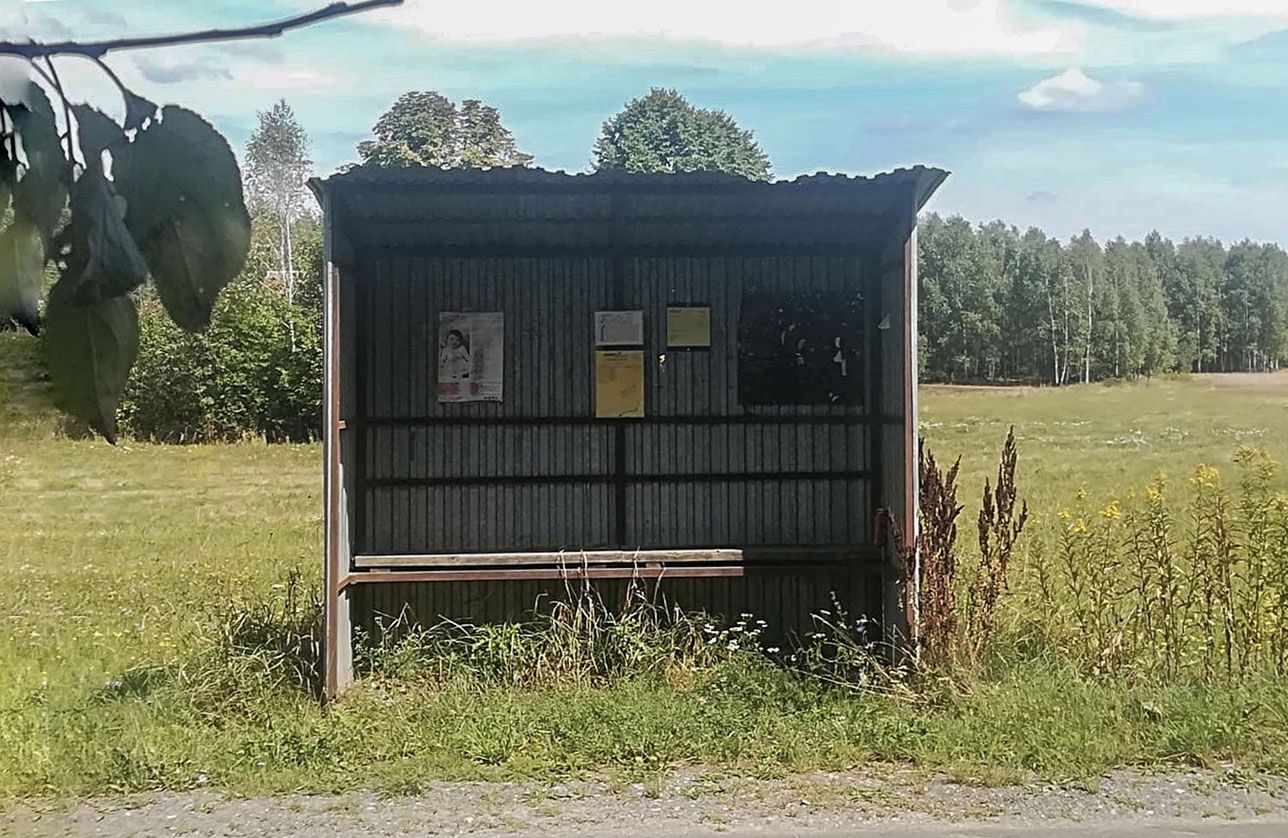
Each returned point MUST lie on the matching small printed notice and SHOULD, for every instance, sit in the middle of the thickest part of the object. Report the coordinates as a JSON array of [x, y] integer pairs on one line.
[[688, 326], [619, 328], [619, 385], [470, 356]]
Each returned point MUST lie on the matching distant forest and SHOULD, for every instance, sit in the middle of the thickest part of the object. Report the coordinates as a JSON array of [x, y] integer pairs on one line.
[[997, 304]]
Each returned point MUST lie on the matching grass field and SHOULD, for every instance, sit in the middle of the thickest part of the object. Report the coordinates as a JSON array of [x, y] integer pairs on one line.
[[123, 562]]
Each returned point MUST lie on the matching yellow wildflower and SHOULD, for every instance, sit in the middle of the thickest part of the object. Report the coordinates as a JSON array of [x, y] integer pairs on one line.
[[1206, 477], [1082, 493], [1111, 512], [1065, 515], [1079, 526]]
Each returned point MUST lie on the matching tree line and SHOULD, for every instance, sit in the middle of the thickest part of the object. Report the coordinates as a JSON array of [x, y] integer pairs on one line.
[[998, 304]]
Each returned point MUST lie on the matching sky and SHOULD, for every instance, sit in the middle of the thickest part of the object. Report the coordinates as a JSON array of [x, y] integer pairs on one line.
[[1121, 116]]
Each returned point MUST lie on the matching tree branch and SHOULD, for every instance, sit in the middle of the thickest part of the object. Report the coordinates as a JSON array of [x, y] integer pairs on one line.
[[97, 49]]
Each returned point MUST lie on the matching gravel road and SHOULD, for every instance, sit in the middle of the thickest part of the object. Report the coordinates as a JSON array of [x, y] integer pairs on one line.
[[889, 802]]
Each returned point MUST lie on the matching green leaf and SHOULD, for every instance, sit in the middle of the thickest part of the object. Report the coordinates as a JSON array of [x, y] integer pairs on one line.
[[186, 210], [22, 264], [41, 192], [137, 110], [96, 132], [90, 349], [8, 173], [102, 259]]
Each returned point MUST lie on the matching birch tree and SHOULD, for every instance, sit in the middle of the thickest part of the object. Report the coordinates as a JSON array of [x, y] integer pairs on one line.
[[277, 168]]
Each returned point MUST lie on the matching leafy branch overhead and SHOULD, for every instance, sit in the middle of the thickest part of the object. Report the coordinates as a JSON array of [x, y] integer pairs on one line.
[[110, 206]]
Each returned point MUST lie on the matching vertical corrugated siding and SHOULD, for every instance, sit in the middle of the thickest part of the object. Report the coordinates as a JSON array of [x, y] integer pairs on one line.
[[683, 383], [548, 306]]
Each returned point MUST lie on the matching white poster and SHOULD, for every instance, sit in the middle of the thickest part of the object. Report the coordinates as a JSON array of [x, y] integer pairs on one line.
[[471, 356], [619, 328]]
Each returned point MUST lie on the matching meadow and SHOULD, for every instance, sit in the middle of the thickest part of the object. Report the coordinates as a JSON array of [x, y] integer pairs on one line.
[[136, 573]]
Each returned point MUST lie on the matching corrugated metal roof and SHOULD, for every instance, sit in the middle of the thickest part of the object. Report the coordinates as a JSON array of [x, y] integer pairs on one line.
[[922, 180], [423, 206]]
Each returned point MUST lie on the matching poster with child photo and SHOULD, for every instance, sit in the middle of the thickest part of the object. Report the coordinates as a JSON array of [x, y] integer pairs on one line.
[[470, 356]]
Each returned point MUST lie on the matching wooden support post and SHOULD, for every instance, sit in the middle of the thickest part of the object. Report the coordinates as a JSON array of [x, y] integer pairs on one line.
[[898, 300], [337, 631], [911, 446]]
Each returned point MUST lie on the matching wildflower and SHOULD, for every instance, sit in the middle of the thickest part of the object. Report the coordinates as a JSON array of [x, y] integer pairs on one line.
[[1082, 493], [1206, 477], [1078, 526], [1111, 512], [1065, 515]]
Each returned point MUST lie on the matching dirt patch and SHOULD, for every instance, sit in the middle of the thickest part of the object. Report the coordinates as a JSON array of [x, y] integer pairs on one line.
[[691, 803]]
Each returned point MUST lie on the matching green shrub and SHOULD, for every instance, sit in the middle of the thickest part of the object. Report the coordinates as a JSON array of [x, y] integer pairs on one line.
[[256, 372]]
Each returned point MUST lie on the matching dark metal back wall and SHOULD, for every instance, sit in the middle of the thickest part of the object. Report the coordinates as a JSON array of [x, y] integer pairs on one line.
[[537, 471], [786, 601]]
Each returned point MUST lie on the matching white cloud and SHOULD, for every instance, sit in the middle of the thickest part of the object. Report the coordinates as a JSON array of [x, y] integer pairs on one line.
[[945, 27], [1075, 91], [283, 77], [1190, 9], [175, 72]]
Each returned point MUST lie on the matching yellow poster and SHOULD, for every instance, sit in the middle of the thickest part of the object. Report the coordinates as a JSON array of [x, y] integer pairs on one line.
[[688, 326], [619, 385]]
